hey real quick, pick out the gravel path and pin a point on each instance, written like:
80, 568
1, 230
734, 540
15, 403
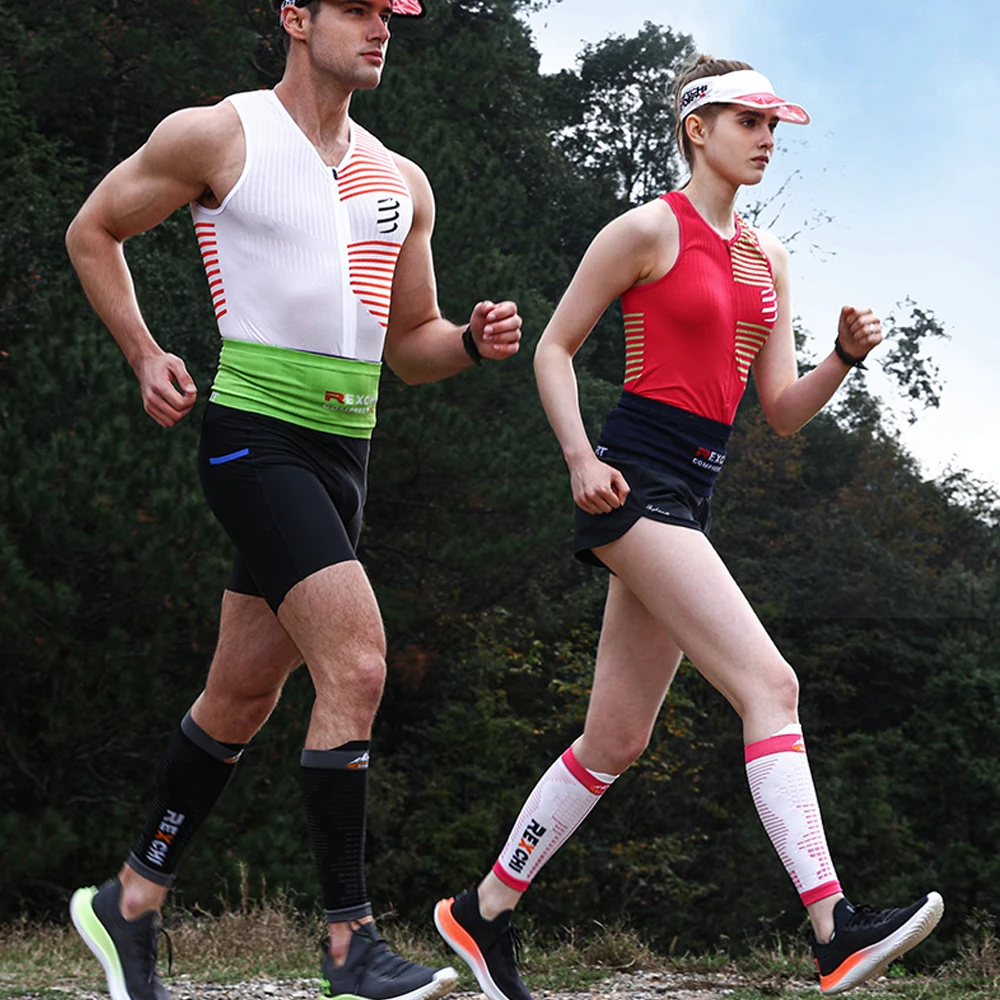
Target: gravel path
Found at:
621, 986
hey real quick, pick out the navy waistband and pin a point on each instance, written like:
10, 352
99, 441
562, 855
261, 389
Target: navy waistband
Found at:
668, 438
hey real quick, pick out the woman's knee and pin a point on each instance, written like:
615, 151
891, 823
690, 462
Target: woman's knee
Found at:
774, 695
785, 687
612, 756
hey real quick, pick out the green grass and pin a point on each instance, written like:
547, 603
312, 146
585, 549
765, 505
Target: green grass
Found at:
273, 940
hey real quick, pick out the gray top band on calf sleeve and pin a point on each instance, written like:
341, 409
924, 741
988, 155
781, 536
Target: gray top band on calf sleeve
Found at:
348, 913
159, 878
203, 741
335, 760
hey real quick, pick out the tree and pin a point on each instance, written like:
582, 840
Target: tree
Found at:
111, 566
619, 114
100, 73
915, 374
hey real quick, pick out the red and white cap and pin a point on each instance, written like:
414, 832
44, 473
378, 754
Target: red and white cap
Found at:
742, 86
400, 8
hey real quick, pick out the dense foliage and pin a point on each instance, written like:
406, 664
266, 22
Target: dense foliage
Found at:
881, 588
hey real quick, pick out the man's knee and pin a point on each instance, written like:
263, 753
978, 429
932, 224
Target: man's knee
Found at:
233, 713
357, 678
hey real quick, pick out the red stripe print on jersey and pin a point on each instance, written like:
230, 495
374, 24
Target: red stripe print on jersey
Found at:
749, 340
634, 345
370, 170
371, 265
750, 266
209, 246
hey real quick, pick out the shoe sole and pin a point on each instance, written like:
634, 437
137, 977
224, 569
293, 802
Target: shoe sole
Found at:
441, 985
463, 944
98, 940
874, 959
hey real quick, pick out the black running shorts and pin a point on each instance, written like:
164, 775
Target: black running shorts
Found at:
290, 498
654, 494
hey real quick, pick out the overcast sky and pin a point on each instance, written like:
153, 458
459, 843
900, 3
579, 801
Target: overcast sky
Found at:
903, 152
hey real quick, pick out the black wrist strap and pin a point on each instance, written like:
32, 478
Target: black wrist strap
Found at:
849, 359
470, 346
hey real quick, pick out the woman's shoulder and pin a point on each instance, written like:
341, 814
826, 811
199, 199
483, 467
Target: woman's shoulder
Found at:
652, 224
772, 247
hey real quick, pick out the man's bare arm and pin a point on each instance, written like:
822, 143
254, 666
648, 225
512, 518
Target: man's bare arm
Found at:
422, 346
190, 155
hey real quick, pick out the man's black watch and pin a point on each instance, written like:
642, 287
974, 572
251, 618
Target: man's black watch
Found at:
470, 345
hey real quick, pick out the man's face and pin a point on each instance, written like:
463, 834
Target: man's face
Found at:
348, 39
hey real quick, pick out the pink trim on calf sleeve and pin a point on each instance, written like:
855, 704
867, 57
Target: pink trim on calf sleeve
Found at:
820, 892
517, 884
585, 777
774, 744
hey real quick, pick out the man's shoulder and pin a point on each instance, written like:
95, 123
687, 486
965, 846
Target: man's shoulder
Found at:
203, 123
416, 179
195, 141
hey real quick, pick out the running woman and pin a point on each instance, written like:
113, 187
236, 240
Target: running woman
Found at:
316, 244
705, 299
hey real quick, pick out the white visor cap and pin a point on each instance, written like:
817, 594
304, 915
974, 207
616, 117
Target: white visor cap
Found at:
742, 86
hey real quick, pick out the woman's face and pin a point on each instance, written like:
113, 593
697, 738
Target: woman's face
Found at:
738, 144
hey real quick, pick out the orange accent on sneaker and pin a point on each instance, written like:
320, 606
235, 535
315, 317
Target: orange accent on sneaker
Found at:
833, 978
457, 935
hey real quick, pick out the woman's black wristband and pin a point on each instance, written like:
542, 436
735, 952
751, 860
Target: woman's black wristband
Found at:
470, 346
849, 359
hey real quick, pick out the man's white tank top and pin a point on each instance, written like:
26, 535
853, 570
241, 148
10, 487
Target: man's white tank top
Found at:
300, 259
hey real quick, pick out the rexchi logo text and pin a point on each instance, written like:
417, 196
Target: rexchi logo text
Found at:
349, 402
705, 458
533, 833
165, 833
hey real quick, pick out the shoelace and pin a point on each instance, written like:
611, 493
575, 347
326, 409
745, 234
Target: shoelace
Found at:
868, 916
170, 950
151, 952
511, 943
154, 953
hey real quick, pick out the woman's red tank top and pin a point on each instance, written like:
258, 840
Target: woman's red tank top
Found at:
692, 335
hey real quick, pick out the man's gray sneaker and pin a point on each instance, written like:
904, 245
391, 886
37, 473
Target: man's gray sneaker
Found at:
125, 948
374, 972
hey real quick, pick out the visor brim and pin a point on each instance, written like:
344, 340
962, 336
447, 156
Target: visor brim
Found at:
785, 110
408, 8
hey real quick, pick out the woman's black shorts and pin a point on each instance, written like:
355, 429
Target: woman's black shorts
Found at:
290, 498
655, 494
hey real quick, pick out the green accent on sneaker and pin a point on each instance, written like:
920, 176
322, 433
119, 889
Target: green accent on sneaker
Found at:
323, 393
97, 939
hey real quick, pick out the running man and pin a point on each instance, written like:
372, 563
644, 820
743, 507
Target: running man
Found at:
705, 298
316, 244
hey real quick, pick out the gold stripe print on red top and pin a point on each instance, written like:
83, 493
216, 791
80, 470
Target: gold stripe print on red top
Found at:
750, 267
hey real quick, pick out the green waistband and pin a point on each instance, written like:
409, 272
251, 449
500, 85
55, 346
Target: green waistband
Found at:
337, 395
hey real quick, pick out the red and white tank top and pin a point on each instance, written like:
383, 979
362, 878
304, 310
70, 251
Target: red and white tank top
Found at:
301, 255
691, 336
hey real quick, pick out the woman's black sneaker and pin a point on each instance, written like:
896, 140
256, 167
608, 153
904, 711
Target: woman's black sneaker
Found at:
866, 940
489, 947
